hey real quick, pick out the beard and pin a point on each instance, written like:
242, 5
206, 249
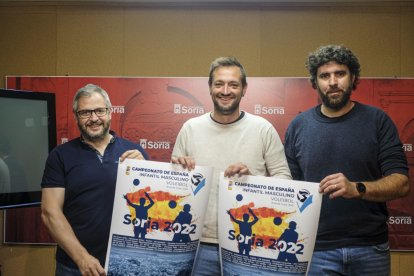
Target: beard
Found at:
93, 137
226, 110
337, 102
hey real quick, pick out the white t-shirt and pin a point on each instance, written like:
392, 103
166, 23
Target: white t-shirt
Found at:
251, 140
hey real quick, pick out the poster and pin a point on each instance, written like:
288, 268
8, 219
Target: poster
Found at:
157, 218
267, 226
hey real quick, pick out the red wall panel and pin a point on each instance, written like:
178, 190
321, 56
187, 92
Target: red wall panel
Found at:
151, 111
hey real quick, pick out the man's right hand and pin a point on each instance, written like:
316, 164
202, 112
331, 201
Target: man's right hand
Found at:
90, 266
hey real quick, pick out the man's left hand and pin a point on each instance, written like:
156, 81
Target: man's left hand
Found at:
238, 168
132, 154
338, 185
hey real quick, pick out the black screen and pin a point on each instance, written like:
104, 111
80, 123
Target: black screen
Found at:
27, 134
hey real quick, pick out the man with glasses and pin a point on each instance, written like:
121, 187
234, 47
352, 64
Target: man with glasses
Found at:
78, 185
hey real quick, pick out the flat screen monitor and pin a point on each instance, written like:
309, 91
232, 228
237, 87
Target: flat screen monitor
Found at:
27, 135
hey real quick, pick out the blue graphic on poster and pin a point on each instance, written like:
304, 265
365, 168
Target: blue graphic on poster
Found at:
267, 226
157, 218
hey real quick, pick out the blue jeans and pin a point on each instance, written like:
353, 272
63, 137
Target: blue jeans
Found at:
63, 270
366, 260
207, 260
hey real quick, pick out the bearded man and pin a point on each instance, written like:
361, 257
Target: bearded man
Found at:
78, 185
353, 150
231, 141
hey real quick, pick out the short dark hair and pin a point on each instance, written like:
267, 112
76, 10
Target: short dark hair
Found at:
226, 62
337, 53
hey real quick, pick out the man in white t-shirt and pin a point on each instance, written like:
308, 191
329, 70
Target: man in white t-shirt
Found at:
231, 141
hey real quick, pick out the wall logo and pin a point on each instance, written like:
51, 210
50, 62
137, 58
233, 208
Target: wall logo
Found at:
305, 199
118, 109
408, 147
268, 110
148, 144
185, 109
198, 182
407, 220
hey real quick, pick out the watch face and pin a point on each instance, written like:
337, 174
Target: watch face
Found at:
361, 187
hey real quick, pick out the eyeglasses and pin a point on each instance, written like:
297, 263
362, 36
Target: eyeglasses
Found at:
87, 113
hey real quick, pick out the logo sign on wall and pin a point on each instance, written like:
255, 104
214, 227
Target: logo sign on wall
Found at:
151, 111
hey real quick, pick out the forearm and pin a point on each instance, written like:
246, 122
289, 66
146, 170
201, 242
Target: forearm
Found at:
63, 234
275, 158
387, 188
277, 166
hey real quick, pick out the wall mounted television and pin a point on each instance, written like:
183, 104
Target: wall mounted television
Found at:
27, 135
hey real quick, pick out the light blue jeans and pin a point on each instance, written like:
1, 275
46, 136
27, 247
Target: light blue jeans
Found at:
63, 270
207, 261
366, 260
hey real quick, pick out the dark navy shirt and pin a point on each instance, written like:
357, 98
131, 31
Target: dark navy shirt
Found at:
363, 145
89, 181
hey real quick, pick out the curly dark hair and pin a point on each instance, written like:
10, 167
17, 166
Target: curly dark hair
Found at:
337, 53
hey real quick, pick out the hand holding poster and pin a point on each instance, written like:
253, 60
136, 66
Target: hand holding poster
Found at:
157, 218
267, 226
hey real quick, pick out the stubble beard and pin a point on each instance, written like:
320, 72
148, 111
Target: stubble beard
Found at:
226, 110
94, 137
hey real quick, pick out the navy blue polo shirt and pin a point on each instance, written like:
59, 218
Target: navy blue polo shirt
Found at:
89, 181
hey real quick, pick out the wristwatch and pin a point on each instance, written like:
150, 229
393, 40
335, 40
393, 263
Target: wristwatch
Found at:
361, 188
